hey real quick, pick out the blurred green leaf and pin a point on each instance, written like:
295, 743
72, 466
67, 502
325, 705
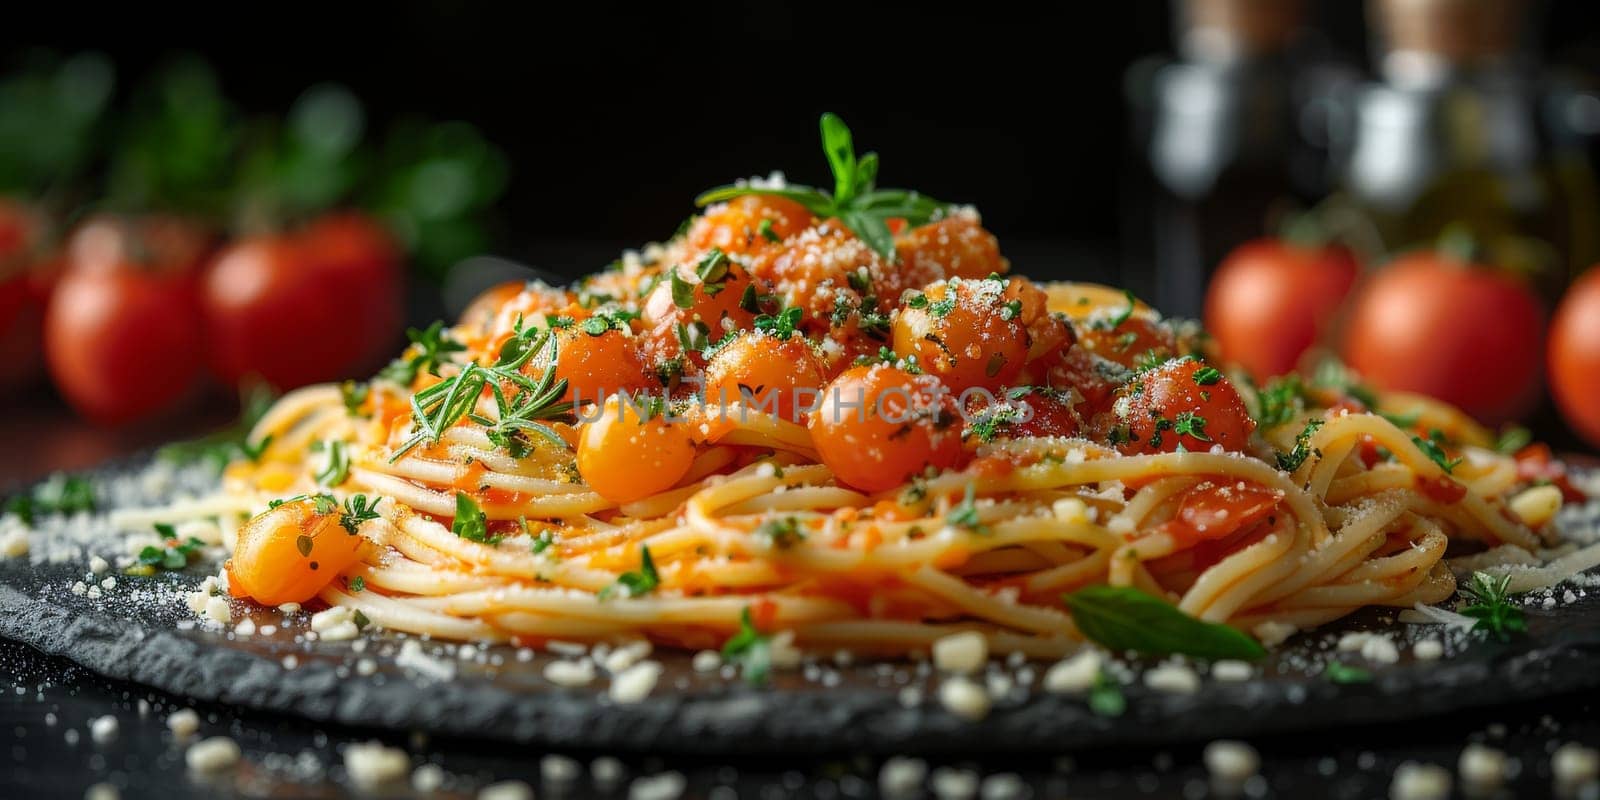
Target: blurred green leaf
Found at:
178, 146
51, 112
436, 184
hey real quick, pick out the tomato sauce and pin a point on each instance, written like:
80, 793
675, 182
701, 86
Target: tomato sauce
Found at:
1442, 489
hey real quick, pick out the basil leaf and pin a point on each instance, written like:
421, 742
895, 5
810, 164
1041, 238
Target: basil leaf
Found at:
872, 229
841, 151
1123, 618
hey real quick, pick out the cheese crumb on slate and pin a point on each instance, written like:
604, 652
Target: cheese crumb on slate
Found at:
102, 791
706, 661
14, 544
964, 698
1413, 781
427, 778
606, 771
1232, 671
1076, 673
506, 790
371, 765
963, 653
949, 783
1483, 768
570, 674
1003, 786
1380, 650
218, 610
666, 786
212, 755
1231, 761
1172, 679
1574, 765
183, 723
1428, 650
635, 683
1272, 634
103, 729
902, 777
558, 769
98, 565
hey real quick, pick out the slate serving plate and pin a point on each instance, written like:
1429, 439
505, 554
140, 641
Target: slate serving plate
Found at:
139, 630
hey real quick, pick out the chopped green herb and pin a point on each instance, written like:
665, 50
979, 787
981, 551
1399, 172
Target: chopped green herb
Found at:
358, 509
358, 584
354, 395
337, 470
1189, 423
58, 494
682, 293
1291, 461
783, 324
636, 584
1281, 400
430, 348
1430, 448
225, 445
965, 514
1512, 439
781, 533
1206, 376
750, 649
1105, 696
766, 231
1340, 672
470, 522
1492, 607
172, 554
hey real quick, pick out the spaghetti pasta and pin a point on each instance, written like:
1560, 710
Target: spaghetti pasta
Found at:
858, 428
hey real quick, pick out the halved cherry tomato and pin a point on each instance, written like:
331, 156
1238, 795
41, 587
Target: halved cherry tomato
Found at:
290, 553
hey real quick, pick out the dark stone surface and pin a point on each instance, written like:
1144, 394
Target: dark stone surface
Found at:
135, 633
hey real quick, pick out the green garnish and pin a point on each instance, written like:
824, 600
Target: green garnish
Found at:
58, 494
358, 509
358, 584
337, 470
1331, 373
470, 522
1122, 618
173, 554
1188, 423
965, 514
750, 649
1340, 672
1492, 607
440, 406
783, 324
1105, 696
636, 584
430, 348
1430, 448
1291, 461
1281, 400
354, 395
781, 533
1011, 310
766, 231
856, 201
1512, 439
1206, 376
1122, 316
232, 442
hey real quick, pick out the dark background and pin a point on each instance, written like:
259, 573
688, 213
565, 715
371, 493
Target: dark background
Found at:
613, 117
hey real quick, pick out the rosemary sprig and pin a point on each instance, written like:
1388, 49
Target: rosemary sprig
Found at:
855, 201
1492, 607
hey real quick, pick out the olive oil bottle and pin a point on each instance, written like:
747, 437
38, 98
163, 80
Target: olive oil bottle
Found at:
1454, 136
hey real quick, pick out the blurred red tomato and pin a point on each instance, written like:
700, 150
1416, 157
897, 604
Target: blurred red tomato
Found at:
167, 244
1271, 299
123, 343
26, 275
304, 307
1464, 333
1574, 357
357, 255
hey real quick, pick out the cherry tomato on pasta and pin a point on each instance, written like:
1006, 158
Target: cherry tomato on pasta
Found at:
953, 247
765, 372
1130, 341
748, 223
963, 331
1463, 333
291, 553
879, 425
596, 358
626, 455
714, 292
1182, 402
1272, 299
1574, 357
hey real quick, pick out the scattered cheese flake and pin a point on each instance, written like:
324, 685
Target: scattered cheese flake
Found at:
954, 784
372, 765
103, 729
218, 610
1413, 781
98, 565
1428, 650
635, 683
964, 652
558, 769
570, 674
1172, 678
14, 544
1380, 650
964, 698
212, 755
1074, 674
1232, 671
102, 791
1231, 761
183, 723
1003, 786
1574, 765
506, 790
706, 661
665, 786
325, 620
1483, 768
246, 627
1272, 634
427, 778
902, 777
